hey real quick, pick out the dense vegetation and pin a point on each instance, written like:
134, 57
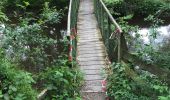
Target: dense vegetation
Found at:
128, 80
139, 7
15, 84
34, 51
33, 54
126, 84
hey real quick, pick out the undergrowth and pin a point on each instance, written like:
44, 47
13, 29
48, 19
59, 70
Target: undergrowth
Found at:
124, 84
15, 84
62, 82
139, 7
34, 51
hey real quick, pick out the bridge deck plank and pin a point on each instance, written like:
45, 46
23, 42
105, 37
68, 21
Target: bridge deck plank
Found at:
91, 53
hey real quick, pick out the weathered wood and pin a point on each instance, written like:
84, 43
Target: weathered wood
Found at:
93, 77
91, 49
92, 67
82, 63
90, 88
90, 43
81, 58
69, 19
92, 72
93, 96
93, 83
42, 94
91, 53
91, 46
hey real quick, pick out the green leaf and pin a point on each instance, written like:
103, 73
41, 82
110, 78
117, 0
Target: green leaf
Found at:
163, 98
13, 88
26, 3
1, 95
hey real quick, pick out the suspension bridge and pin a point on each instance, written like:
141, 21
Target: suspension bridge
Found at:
95, 40
91, 39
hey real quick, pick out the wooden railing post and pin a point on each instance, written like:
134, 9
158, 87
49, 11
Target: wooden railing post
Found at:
119, 48
109, 32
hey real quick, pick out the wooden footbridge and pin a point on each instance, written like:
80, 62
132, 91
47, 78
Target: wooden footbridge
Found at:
95, 38
93, 33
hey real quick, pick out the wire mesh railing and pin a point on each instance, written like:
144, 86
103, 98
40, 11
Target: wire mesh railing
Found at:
110, 30
72, 28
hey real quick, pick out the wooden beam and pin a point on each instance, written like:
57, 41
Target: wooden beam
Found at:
69, 19
42, 94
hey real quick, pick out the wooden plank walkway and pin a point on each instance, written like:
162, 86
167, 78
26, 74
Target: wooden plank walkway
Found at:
91, 53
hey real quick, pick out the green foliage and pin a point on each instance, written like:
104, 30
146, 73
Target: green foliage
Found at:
28, 44
164, 98
62, 82
17, 4
155, 23
3, 17
50, 15
32, 44
31, 8
162, 56
123, 86
148, 53
138, 7
15, 84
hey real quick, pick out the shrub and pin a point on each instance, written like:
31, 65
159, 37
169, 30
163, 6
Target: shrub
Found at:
15, 84
62, 82
139, 7
33, 43
123, 85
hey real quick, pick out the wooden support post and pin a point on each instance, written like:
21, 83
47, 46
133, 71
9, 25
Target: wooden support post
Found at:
42, 94
108, 35
119, 48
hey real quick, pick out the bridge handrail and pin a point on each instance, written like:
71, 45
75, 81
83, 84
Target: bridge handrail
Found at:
69, 18
72, 28
111, 17
106, 23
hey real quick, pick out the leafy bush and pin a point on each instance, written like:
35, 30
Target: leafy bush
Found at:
3, 16
20, 4
14, 83
138, 7
62, 82
33, 43
123, 85
161, 57
27, 44
50, 15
